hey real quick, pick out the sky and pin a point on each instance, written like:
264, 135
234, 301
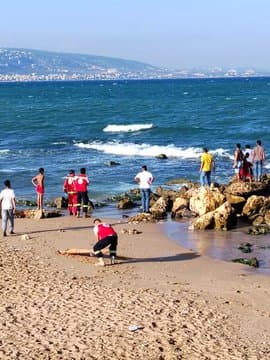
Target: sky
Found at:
177, 34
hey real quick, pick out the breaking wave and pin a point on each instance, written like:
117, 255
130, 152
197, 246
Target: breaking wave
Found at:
127, 128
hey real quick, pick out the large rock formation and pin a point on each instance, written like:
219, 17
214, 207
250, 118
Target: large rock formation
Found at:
205, 200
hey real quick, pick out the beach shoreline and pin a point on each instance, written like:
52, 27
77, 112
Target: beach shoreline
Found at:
186, 306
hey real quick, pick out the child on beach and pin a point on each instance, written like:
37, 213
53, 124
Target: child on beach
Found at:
38, 182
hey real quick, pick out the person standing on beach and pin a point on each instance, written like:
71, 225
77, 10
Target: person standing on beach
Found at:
106, 236
39, 182
145, 180
258, 158
81, 184
8, 207
69, 188
237, 161
207, 165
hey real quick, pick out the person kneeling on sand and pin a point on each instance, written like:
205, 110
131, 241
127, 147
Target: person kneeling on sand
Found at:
106, 236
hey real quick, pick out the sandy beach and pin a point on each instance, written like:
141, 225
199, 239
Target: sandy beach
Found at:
185, 306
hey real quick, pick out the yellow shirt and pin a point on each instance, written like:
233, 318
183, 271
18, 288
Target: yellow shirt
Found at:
206, 161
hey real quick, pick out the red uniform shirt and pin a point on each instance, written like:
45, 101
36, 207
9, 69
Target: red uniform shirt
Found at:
82, 182
104, 230
70, 184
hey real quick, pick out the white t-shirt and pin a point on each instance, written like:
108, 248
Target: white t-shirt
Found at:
145, 179
6, 196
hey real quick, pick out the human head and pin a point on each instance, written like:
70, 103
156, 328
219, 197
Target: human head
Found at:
7, 183
247, 155
247, 146
41, 170
238, 146
97, 221
258, 142
71, 172
144, 167
205, 150
83, 170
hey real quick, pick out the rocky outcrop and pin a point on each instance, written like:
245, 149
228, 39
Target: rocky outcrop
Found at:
205, 200
223, 218
160, 208
255, 206
37, 214
162, 156
125, 203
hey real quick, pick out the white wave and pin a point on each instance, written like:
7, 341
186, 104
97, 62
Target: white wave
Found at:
127, 128
267, 166
59, 143
147, 150
4, 151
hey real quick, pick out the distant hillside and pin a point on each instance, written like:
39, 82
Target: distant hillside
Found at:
37, 62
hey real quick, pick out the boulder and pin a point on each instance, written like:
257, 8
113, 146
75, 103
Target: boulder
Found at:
258, 230
179, 204
159, 209
259, 220
125, 203
183, 213
162, 156
39, 214
204, 222
205, 200
225, 217
247, 189
143, 217
237, 202
61, 203
267, 218
251, 262
256, 205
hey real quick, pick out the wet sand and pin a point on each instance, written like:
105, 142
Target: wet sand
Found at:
63, 307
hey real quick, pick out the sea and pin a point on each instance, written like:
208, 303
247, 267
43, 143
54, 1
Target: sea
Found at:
69, 125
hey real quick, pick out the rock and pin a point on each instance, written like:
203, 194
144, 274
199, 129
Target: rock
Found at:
251, 262
180, 204
267, 218
224, 217
205, 200
61, 203
204, 222
25, 202
256, 205
159, 209
39, 214
130, 231
162, 156
125, 203
258, 230
246, 189
237, 202
143, 217
246, 248
183, 213
112, 163
25, 237
259, 220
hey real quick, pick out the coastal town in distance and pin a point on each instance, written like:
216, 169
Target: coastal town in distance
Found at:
35, 65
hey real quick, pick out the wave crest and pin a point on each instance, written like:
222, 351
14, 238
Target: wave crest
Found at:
127, 128
147, 150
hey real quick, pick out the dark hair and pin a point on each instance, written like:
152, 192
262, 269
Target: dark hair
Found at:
71, 171
247, 146
97, 219
238, 146
41, 170
259, 142
83, 170
205, 149
7, 183
144, 167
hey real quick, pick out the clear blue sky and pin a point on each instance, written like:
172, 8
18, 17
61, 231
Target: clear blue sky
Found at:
172, 33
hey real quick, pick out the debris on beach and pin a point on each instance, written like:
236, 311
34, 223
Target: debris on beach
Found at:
130, 231
251, 262
246, 248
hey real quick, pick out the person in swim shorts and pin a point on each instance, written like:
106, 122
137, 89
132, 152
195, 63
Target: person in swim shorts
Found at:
38, 182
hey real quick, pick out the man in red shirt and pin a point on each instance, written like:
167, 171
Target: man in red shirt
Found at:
82, 193
106, 236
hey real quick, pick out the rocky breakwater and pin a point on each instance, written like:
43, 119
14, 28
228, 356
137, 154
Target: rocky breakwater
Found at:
219, 207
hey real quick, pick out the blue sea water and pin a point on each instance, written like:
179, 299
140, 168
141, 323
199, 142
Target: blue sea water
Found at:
68, 125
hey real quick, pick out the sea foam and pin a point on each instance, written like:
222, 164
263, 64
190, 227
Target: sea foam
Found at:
147, 150
127, 128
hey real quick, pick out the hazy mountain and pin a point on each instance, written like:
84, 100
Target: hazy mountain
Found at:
26, 61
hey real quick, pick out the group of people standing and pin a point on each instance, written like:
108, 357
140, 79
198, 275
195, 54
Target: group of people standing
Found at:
247, 164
